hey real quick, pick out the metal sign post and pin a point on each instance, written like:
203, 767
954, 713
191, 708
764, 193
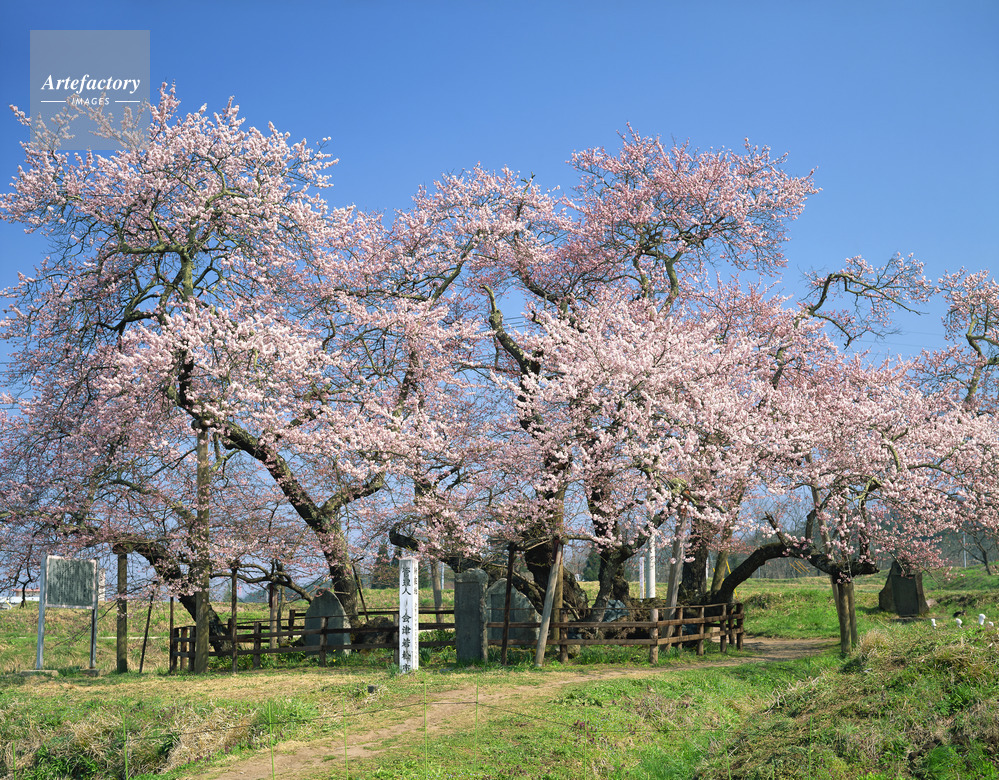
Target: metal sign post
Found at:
69, 584
41, 621
93, 622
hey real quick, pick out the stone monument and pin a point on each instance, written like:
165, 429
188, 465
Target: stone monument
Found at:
521, 611
327, 605
903, 593
470, 615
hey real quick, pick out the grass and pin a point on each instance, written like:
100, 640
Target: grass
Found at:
911, 702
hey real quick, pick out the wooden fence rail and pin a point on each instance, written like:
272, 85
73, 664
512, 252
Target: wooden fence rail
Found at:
256, 639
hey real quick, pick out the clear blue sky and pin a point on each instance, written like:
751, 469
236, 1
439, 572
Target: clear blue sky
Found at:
896, 104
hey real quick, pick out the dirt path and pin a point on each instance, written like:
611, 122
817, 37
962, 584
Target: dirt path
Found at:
454, 709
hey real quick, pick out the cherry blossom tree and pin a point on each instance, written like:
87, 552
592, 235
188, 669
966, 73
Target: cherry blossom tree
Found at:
966, 374
188, 276
205, 313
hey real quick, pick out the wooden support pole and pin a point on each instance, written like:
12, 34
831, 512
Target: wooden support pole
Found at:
702, 631
145, 634
121, 625
546, 614
273, 609
202, 564
234, 601
506, 604
559, 582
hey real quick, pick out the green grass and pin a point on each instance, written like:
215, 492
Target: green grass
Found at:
911, 703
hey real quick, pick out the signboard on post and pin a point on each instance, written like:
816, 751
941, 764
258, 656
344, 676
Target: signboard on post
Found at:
409, 615
68, 583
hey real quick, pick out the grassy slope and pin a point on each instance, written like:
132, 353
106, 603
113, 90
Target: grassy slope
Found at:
910, 703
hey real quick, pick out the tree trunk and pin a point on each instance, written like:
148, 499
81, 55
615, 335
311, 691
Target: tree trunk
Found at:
984, 555
721, 562
725, 594
613, 583
693, 581
539, 560
852, 614
435, 580
842, 613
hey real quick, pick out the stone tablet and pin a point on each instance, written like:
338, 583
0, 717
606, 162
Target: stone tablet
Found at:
470, 616
903, 594
521, 611
325, 604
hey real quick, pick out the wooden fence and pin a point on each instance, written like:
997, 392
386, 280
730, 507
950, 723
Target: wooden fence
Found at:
257, 639
687, 625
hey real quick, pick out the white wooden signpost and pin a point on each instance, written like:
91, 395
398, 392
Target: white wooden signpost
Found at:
68, 583
650, 590
409, 614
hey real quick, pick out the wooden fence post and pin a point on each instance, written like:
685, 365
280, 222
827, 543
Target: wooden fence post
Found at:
173, 649
323, 624
723, 629
185, 661
563, 640
700, 642
654, 636
256, 645
678, 628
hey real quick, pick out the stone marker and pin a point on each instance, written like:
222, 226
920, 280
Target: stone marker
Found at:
615, 610
521, 611
470, 615
903, 593
325, 604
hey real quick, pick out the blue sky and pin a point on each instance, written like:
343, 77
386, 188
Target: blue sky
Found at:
896, 104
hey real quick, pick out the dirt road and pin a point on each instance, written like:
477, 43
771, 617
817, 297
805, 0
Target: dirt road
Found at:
454, 709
